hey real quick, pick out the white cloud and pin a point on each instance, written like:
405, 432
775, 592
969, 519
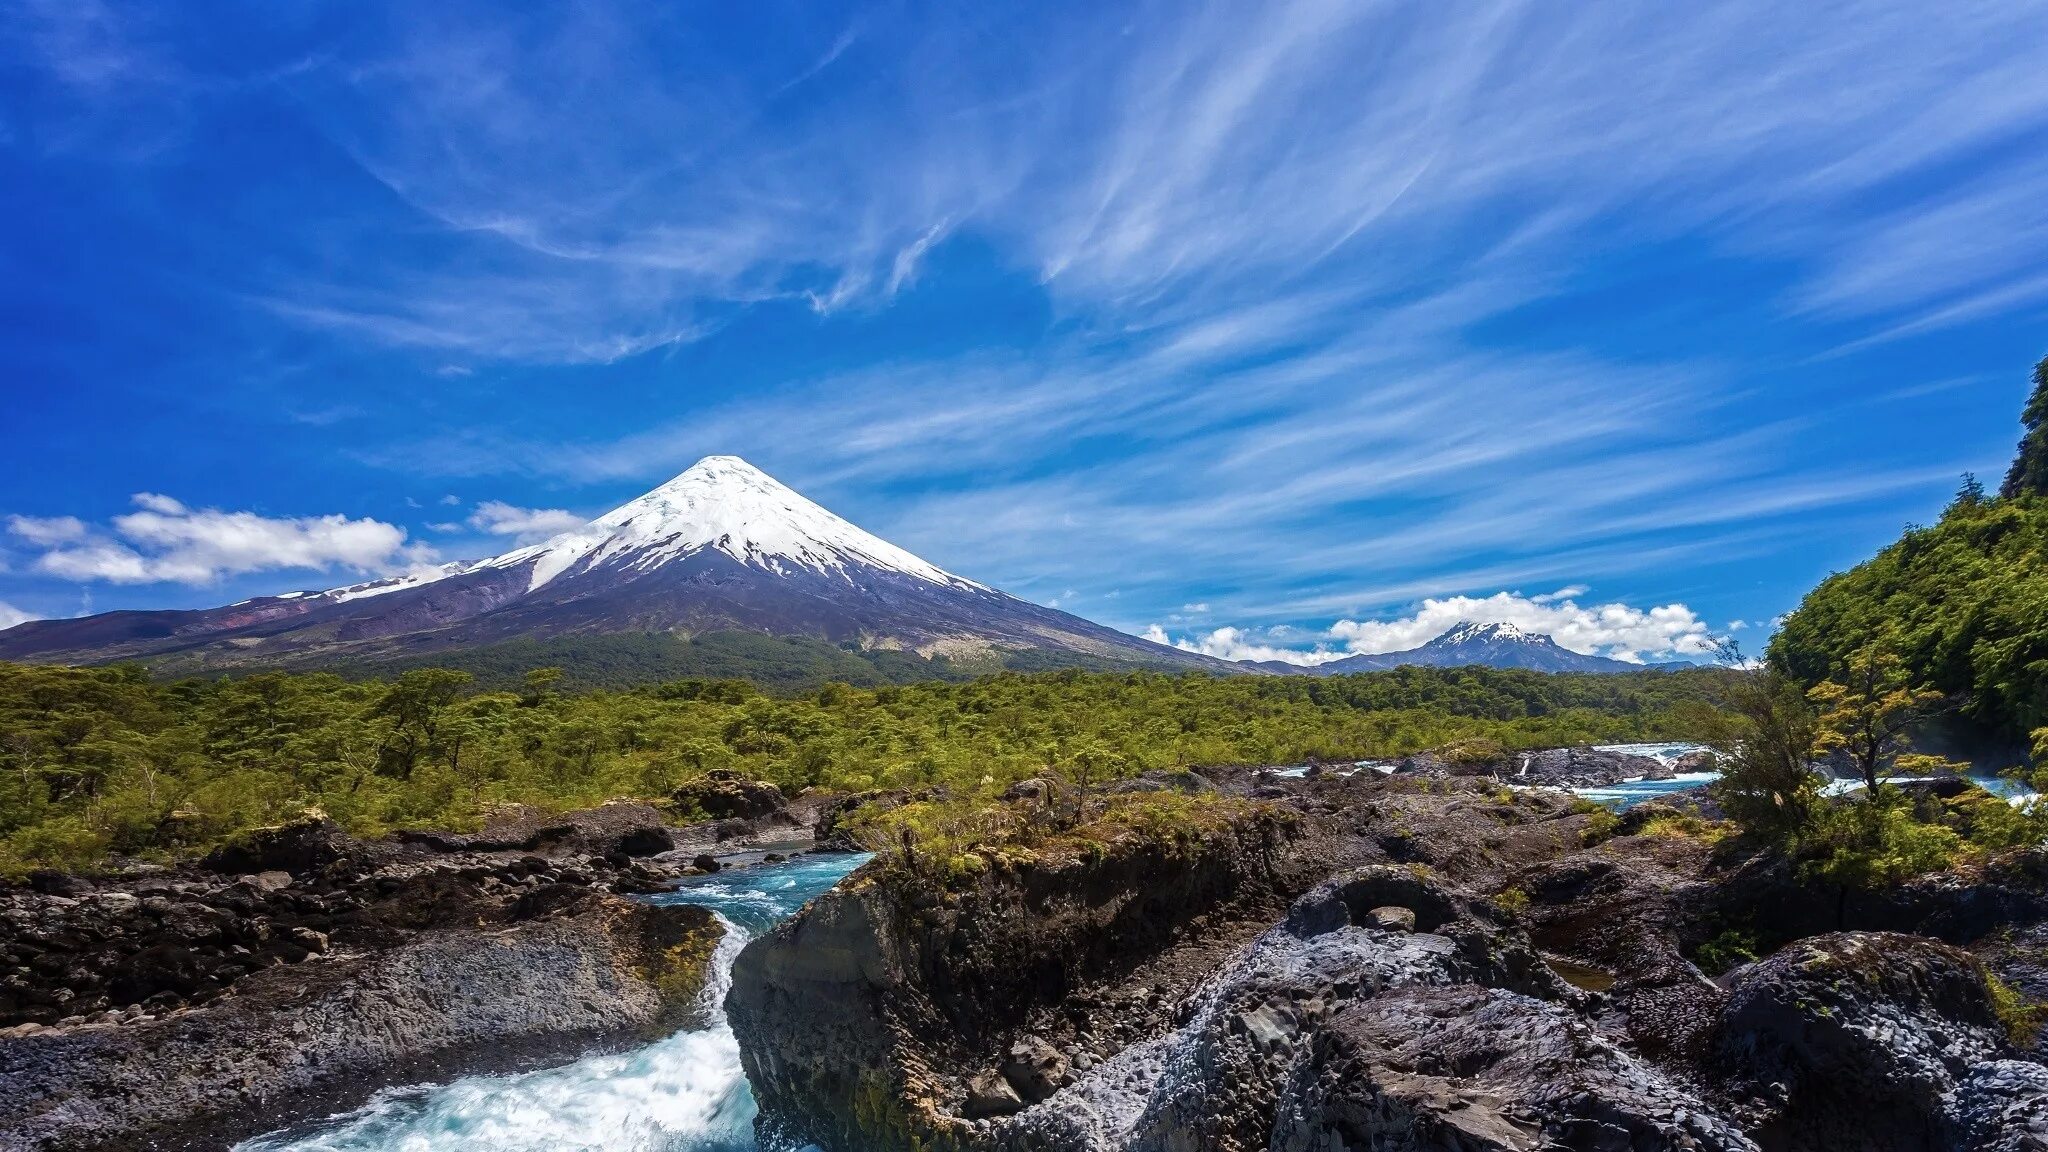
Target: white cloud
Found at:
1228, 643
168, 542
46, 532
527, 524
1616, 630
151, 502
10, 615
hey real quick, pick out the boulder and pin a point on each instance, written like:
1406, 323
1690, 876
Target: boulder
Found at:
2001, 1106
1223, 1073
990, 1094
1701, 760
301, 848
1860, 1040
1034, 1068
52, 883
618, 828
1391, 918
1187, 783
833, 829
1588, 768
302, 1040
1035, 788
1419, 1069
726, 795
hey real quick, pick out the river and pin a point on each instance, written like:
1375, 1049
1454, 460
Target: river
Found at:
682, 1094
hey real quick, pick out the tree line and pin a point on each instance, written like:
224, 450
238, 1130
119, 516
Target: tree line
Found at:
100, 762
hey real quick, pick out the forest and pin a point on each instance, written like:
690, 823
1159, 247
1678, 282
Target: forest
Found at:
1960, 607
109, 762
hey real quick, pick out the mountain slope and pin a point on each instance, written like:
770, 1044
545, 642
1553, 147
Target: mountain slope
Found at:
1493, 645
722, 547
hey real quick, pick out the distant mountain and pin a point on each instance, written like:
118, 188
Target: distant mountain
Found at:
722, 547
1493, 645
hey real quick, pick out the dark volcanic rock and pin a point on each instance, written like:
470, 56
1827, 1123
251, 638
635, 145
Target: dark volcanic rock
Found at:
726, 795
620, 827
874, 1018
1860, 1040
1187, 783
1469, 1068
303, 1041
1588, 768
300, 848
1136, 1001
834, 829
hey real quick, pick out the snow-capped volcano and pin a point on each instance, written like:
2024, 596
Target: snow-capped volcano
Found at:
727, 504
1489, 633
1496, 644
723, 546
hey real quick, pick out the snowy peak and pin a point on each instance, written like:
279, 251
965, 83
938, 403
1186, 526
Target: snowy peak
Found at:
725, 504
722, 548
1489, 633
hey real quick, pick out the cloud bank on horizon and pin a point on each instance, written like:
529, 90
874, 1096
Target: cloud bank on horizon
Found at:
1338, 319
1615, 630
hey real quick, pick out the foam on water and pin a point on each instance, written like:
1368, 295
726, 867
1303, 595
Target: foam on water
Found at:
682, 1094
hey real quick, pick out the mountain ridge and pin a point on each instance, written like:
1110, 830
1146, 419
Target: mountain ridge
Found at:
722, 546
1494, 644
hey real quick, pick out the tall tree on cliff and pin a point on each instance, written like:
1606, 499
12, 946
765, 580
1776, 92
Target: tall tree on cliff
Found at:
2029, 475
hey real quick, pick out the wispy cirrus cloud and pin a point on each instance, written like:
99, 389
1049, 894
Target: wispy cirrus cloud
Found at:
609, 176
1300, 265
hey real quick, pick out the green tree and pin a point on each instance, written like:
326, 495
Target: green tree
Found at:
2029, 474
540, 684
1766, 784
1868, 714
415, 705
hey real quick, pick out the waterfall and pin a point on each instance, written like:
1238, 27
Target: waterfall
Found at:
685, 1093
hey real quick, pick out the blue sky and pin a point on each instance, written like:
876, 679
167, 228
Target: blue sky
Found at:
1278, 325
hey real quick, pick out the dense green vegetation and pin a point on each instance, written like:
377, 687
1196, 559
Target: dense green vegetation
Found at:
1963, 605
106, 760
779, 664
782, 664
1871, 838
1942, 639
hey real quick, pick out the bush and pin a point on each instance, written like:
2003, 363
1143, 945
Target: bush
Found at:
1731, 948
2023, 1017
1876, 842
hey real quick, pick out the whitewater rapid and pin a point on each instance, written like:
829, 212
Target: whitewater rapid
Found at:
682, 1094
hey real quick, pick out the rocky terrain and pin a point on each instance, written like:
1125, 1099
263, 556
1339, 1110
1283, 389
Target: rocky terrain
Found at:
1408, 962
296, 972
1549, 768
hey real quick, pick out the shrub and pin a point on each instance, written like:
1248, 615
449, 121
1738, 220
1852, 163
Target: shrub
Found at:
1730, 948
2022, 1016
1872, 843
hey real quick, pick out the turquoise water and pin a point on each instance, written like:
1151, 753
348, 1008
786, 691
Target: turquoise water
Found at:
682, 1094
1628, 794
